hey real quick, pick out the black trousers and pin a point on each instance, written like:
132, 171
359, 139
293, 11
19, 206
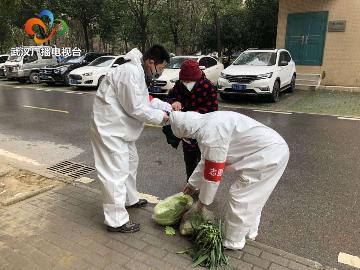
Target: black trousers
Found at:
191, 157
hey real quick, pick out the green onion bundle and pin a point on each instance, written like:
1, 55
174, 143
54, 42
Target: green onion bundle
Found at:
207, 250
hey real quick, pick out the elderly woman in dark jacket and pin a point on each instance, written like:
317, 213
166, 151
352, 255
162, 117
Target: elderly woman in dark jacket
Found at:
192, 92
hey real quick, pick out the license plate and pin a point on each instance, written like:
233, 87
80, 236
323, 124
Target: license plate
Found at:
75, 82
155, 89
238, 87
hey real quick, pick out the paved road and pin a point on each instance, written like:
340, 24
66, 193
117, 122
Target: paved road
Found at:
314, 211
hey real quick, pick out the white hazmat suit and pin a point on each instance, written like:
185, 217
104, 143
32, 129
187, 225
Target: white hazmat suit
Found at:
121, 107
234, 142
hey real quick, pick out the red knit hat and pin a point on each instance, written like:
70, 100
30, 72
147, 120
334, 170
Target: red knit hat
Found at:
190, 71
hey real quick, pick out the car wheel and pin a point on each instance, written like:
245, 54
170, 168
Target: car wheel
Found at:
100, 80
34, 77
224, 97
292, 84
276, 92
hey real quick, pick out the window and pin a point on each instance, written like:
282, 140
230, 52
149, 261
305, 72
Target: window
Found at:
284, 56
211, 62
3, 59
30, 58
203, 62
47, 56
120, 61
175, 62
256, 58
91, 57
104, 61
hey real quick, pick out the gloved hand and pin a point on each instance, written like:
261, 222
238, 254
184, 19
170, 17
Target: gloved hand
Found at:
170, 137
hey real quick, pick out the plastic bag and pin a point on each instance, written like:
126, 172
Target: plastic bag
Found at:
170, 210
187, 227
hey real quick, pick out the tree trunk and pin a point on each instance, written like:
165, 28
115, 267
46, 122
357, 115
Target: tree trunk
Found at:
86, 35
218, 34
126, 45
178, 49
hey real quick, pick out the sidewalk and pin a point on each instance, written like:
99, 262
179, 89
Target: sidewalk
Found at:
317, 102
63, 229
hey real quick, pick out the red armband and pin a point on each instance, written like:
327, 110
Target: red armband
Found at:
213, 170
151, 98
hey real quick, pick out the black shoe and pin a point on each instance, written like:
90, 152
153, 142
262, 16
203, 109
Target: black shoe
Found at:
128, 227
139, 204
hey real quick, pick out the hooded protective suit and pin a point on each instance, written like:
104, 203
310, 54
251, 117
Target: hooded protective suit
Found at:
121, 107
235, 142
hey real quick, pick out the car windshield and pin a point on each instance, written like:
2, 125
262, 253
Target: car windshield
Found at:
256, 59
175, 62
102, 62
74, 59
15, 58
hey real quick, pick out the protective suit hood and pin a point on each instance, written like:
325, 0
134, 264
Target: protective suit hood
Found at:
185, 124
135, 56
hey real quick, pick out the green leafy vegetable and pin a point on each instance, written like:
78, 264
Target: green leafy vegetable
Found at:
170, 210
207, 249
170, 230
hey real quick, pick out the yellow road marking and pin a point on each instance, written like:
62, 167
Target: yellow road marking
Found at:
349, 260
149, 198
85, 180
18, 157
46, 109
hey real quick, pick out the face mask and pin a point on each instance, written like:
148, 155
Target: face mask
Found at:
189, 85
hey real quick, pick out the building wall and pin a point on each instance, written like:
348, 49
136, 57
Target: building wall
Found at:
341, 62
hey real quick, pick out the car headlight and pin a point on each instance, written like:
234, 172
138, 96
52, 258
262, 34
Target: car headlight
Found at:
265, 75
57, 71
88, 74
222, 75
174, 80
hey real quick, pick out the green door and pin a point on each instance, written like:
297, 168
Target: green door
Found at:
305, 37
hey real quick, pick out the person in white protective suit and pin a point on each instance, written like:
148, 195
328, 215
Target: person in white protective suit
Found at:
234, 142
121, 107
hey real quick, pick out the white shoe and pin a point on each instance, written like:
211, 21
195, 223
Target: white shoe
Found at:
228, 244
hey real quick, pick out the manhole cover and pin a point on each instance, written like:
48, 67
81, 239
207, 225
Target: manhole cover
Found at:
71, 169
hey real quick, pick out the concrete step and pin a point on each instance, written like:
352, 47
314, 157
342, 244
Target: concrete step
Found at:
307, 81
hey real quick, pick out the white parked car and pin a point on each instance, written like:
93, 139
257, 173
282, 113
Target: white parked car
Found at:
3, 59
211, 67
259, 72
92, 74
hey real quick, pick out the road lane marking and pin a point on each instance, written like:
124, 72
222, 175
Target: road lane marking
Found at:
349, 260
148, 197
349, 118
279, 112
19, 158
46, 109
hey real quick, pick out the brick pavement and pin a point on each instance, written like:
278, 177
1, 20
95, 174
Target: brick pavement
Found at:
63, 229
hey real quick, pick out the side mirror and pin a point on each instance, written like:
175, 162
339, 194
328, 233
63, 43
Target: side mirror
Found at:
284, 63
202, 67
115, 65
